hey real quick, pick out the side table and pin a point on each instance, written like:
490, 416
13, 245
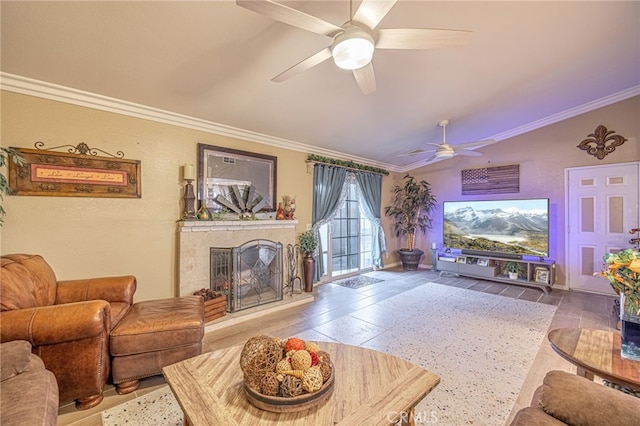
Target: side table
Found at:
597, 353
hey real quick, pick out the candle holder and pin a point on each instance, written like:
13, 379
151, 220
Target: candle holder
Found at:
189, 212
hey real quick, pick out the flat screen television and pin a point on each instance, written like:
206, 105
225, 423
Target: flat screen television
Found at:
513, 228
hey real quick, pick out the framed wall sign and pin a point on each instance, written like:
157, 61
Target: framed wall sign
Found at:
220, 169
69, 174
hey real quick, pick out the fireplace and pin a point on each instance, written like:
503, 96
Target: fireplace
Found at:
249, 275
196, 237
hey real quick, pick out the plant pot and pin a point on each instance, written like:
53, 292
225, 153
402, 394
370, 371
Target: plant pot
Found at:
308, 266
513, 275
629, 332
410, 259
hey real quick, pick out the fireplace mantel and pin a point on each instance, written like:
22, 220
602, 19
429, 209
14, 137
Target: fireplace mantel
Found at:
234, 225
195, 239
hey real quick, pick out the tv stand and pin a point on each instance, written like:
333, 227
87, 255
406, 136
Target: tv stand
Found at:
535, 272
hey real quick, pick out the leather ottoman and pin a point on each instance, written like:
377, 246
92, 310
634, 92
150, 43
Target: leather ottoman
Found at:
154, 334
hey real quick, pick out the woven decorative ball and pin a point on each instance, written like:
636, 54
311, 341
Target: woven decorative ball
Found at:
259, 355
312, 347
300, 360
312, 380
291, 386
269, 385
293, 344
325, 370
323, 357
283, 365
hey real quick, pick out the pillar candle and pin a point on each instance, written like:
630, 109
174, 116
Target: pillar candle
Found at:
189, 172
433, 245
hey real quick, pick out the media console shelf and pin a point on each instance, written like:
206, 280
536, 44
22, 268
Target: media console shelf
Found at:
532, 272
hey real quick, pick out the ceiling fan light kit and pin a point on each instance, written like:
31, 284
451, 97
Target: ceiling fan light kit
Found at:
353, 48
443, 153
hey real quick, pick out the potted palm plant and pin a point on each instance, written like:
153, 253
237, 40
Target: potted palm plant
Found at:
411, 204
308, 245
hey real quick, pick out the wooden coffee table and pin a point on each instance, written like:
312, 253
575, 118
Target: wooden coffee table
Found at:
371, 388
596, 352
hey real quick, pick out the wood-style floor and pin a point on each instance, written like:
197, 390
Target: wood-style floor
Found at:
574, 310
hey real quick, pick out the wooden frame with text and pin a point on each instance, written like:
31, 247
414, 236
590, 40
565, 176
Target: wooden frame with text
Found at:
63, 174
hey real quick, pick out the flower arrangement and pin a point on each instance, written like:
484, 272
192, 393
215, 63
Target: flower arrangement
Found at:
622, 269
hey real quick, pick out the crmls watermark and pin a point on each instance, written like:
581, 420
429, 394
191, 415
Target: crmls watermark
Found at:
418, 417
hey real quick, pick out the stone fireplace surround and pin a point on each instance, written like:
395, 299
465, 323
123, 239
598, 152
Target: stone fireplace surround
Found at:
195, 238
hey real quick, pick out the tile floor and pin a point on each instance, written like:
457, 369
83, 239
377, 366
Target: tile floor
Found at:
332, 302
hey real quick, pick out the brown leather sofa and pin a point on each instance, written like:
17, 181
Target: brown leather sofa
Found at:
67, 322
568, 399
28, 391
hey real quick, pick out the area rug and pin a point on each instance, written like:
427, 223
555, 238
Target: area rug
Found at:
357, 281
157, 408
481, 345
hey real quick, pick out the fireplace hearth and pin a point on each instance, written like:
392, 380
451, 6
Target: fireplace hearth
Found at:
249, 275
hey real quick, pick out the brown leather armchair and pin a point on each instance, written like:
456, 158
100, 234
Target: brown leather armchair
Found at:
67, 322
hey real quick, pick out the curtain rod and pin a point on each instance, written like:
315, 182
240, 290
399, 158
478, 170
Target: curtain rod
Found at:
314, 162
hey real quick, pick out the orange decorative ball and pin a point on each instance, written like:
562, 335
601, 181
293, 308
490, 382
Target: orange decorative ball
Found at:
293, 344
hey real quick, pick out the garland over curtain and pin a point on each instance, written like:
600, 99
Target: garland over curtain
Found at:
330, 190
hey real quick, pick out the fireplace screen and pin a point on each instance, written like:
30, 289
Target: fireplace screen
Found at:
249, 275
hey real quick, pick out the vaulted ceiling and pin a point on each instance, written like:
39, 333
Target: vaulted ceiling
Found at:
529, 64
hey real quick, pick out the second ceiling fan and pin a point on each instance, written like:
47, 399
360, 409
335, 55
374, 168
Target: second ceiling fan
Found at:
355, 41
444, 151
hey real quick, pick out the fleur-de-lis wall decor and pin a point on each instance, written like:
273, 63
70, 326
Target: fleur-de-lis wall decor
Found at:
601, 142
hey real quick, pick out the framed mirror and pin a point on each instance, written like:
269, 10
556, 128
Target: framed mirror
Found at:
219, 168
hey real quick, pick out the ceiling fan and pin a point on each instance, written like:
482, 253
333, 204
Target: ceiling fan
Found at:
444, 151
355, 41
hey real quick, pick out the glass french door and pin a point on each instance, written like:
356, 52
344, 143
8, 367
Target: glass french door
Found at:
347, 240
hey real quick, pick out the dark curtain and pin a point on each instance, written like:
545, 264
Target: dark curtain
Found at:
328, 183
370, 186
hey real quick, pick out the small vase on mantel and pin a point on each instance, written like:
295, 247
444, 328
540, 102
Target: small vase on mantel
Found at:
629, 331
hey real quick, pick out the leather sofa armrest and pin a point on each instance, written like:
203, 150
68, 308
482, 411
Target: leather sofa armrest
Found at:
111, 289
580, 402
15, 357
50, 325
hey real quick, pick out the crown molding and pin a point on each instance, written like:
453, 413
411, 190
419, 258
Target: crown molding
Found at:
43, 89
46, 90
572, 112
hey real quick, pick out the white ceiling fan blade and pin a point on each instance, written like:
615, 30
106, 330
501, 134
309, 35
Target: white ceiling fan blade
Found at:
467, 153
476, 144
371, 12
436, 144
421, 38
290, 16
433, 159
304, 65
366, 78
412, 153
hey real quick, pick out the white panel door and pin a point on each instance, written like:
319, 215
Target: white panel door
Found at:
602, 206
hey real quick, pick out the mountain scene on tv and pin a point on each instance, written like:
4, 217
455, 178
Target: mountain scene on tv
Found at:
519, 227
